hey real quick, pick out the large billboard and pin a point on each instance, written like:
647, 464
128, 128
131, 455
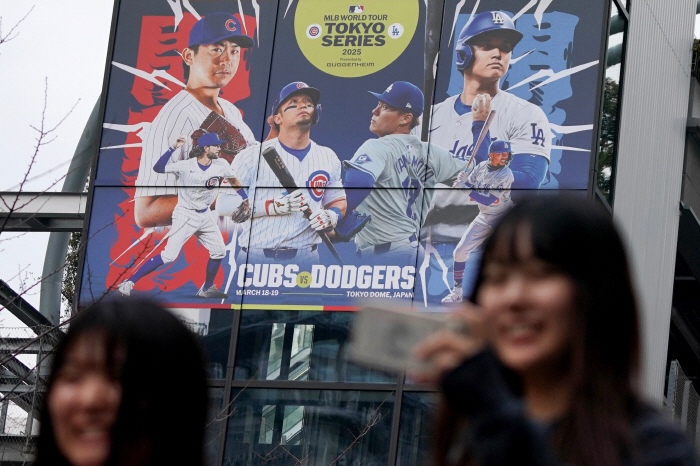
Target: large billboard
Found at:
269, 155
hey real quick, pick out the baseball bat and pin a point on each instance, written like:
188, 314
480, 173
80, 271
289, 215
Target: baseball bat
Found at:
482, 135
281, 171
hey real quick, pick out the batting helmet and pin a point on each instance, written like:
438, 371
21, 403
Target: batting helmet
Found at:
295, 88
488, 22
499, 147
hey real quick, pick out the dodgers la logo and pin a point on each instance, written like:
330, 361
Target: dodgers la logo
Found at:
317, 183
497, 18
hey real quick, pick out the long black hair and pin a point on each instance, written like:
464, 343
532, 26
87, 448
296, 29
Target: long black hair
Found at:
580, 240
160, 366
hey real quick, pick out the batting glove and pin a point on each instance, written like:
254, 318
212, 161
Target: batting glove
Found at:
293, 202
242, 213
323, 219
461, 181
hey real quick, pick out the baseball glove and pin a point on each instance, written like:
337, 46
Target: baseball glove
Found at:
350, 225
215, 123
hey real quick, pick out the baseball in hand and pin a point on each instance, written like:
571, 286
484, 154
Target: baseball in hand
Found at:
180, 141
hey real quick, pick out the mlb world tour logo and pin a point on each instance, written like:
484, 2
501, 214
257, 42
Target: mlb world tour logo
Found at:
356, 40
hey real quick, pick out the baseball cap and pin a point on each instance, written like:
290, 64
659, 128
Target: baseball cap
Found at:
499, 147
218, 26
209, 139
292, 89
404, 96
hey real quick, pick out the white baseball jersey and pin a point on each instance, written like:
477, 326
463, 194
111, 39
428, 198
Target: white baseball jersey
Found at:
494, 183
517, 121
399, 161
198, 185
318, 172
181, 115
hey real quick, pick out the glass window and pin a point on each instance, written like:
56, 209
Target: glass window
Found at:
310, 427
416, 429
298, 345
605, 172
213, 326
212, 435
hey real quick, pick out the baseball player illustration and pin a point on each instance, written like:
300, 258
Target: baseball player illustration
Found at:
280, 231
489, 185
198, 180
483, 53
395, 159
210, 61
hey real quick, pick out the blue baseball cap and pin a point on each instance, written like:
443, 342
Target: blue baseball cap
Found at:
404, 96
219, 26
499, 147
209, 139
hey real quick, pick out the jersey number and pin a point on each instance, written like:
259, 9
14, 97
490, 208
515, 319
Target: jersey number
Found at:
411, 188
537, 135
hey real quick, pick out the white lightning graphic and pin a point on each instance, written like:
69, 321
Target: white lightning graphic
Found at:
141, 129
430, 250
177, 11
539, 12
162, 74
516, 60
143, 236
256, 7
188, 7
288, 6
167, 235
240, 12
231, 248
457, 10
569, 129
525, 9
552, 76
576, 149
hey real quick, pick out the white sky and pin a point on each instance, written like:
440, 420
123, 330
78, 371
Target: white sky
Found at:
66, 42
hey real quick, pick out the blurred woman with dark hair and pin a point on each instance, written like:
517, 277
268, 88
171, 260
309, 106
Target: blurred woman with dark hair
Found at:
128, 387
546, 373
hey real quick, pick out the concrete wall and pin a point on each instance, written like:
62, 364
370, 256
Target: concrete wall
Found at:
650, 163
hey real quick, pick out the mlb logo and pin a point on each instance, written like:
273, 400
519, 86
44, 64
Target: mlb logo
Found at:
356, 8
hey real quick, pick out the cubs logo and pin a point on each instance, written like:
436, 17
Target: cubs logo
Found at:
213, 182
313, 31
231, 25
497, 18
301, 85
317, 183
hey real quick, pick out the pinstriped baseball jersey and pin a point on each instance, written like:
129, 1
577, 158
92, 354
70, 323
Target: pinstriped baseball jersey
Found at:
198, 187
399, 161
495, 183
317, 172
181, 115
517, 121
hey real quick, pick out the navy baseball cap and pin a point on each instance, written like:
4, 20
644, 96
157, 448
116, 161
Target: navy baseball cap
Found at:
219, 26
292, 89
209, 139
499, 147
404, 96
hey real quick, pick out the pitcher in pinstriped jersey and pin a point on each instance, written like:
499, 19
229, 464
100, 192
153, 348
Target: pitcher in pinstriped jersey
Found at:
210, 61
198, 180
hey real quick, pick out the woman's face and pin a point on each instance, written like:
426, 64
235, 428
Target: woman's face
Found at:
529, 310
83, 404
